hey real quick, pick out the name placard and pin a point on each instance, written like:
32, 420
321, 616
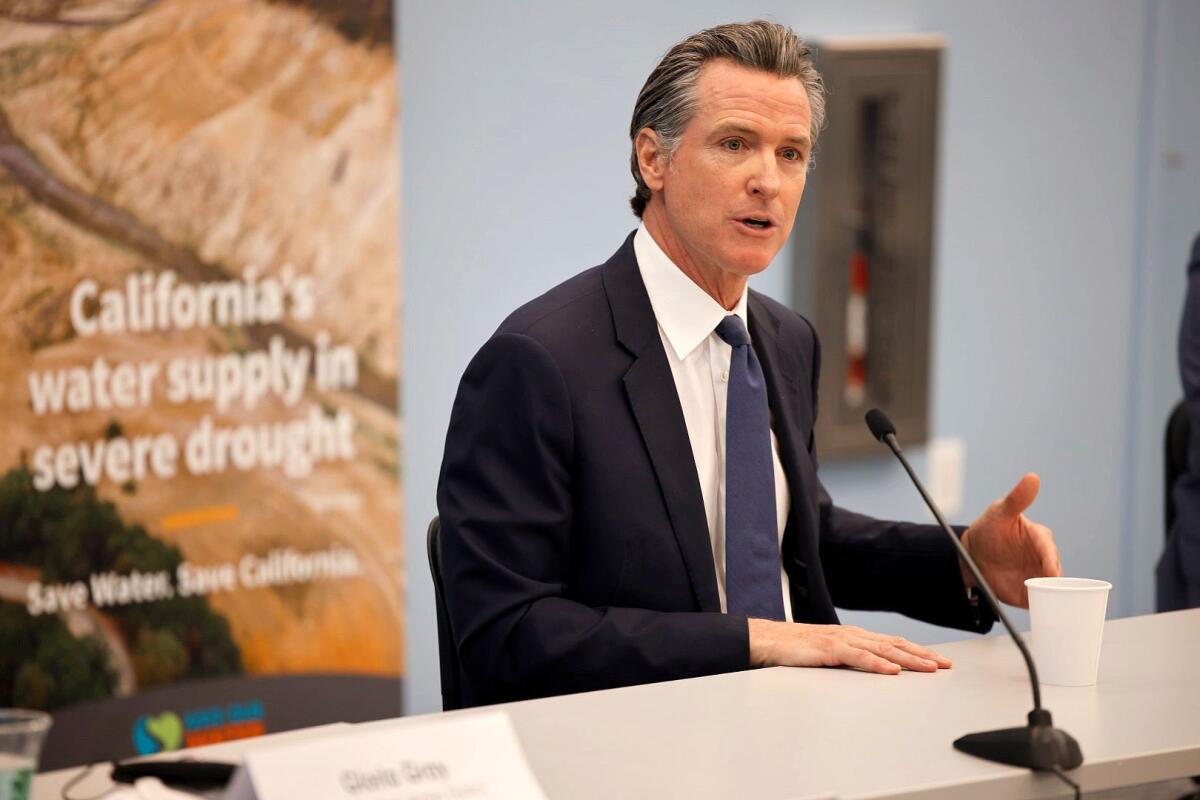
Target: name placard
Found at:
472, 757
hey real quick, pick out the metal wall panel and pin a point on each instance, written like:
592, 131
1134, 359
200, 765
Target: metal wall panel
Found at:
864, 239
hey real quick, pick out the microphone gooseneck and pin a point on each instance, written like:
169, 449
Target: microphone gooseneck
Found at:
1037, 745
885, 432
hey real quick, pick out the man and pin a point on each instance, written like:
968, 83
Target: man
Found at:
629, 491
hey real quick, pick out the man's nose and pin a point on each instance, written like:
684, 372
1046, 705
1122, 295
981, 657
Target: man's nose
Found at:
764, 181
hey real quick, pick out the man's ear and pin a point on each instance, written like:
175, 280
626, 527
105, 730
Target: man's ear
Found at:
652, 160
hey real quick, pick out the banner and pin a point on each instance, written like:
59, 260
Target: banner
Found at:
200, 496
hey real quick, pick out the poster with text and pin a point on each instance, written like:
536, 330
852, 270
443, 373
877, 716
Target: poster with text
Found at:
200, 489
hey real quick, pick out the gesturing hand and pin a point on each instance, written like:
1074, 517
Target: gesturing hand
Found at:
1008, 547
793, 644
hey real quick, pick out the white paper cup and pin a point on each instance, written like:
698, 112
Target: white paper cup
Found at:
1067, 618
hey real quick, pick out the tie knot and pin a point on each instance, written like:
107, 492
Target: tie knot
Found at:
733, 331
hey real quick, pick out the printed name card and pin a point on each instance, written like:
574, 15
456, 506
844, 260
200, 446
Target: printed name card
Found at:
472, 757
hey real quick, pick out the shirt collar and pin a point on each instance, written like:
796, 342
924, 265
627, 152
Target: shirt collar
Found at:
686, 313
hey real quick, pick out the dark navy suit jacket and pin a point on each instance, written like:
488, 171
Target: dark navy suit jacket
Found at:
1179, 568
576, 551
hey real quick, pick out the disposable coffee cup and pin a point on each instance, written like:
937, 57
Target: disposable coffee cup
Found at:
1067, 620
21, 736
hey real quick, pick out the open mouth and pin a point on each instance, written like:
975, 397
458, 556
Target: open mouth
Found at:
757, 223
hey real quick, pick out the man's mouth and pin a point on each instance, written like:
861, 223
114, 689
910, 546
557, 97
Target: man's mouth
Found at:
758, 223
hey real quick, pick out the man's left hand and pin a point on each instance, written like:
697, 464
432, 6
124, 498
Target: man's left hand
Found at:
1008, 547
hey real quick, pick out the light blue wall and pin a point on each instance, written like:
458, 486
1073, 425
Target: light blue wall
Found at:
1060, 241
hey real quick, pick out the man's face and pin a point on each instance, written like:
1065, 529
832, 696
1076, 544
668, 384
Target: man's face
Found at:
730, 191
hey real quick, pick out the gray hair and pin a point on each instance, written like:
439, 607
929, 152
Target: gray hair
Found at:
667, 100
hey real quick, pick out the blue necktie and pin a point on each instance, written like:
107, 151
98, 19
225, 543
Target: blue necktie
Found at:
752, 584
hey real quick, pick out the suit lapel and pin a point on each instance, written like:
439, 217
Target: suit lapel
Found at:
654, 400
784, 396
782, 390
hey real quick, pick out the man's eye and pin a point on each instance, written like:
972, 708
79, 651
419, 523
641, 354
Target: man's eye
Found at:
732, 145
792, 154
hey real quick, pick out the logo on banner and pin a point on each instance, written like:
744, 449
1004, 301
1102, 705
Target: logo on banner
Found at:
155, 733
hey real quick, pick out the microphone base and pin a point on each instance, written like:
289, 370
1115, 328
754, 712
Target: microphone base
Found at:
1038, 745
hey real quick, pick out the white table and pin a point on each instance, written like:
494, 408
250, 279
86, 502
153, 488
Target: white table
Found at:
798, 733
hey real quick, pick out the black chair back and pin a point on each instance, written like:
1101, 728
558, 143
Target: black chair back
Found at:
1179, 431
447, 648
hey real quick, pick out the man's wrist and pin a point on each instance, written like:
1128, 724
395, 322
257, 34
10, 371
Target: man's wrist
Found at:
969, 582
762, 641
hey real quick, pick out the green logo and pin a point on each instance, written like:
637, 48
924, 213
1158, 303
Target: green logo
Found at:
167, 728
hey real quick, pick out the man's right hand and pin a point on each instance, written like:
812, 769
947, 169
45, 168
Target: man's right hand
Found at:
793, 644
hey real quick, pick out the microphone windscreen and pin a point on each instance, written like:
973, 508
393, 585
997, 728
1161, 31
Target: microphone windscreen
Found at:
879, 424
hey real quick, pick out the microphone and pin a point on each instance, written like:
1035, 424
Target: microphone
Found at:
1037, 745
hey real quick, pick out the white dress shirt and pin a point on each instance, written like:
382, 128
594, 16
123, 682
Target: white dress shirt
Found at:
687, 317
